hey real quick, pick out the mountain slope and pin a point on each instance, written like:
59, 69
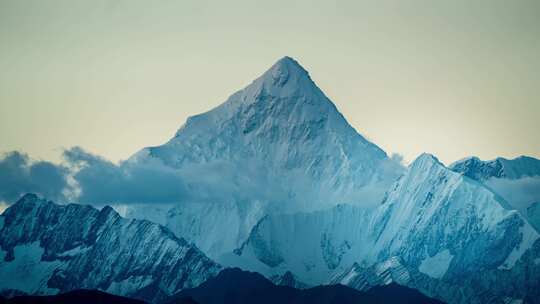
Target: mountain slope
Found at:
312, 245
278, 145
516, 180
443, 228
448, 212
233, 286
48, 248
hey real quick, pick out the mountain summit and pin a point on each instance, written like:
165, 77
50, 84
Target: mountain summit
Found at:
271, 119
277, 145
285, 77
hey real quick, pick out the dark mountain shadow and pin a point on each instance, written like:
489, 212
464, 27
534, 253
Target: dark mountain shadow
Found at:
82, 296
234, 286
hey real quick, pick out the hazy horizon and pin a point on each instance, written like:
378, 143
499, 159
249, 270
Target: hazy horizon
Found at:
452, 79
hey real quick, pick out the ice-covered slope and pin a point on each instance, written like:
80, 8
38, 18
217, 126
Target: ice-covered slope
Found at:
311, 245
279, 145
214, 226
47, 248
447, 214
516, 180
445, 228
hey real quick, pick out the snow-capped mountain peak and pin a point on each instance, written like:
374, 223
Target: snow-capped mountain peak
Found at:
424, 161
286, 78
278, 145
283, 106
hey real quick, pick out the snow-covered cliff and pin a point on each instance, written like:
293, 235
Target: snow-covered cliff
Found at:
442, 227
47, 248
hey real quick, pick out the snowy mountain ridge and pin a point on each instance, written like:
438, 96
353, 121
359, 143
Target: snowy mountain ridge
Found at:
516, 180
47, 248
500, 167
442, 227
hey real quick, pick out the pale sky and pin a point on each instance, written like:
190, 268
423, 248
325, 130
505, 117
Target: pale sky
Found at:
453, 78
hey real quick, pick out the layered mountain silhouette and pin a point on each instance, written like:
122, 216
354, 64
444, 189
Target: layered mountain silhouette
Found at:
72, 297
234, 286
275, 181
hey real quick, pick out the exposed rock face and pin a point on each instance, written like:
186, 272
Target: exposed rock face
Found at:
48, 248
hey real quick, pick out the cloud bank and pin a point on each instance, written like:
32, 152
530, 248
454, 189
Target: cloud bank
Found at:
88, 179
20, 175
99, 181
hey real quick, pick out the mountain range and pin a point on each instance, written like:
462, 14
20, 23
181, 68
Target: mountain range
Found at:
275, 181
48, 248
137, 259
437, 227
